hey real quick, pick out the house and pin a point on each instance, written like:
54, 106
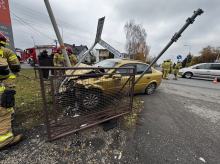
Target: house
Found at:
78, 51
102, 54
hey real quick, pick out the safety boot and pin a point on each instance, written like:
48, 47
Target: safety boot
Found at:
11, 141
16, 139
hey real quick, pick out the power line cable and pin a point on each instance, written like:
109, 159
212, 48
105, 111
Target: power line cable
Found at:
36, 30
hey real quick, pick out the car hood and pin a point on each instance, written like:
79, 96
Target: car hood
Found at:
80, 71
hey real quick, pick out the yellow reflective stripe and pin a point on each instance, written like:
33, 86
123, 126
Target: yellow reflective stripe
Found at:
5, 136
12, 76
13, 57
11, 110
1, 53
2, 88
4, 43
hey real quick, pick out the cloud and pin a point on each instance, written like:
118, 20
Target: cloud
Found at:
160, 18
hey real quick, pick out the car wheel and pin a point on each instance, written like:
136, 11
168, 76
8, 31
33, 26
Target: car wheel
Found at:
150, 89
90, 99
188, 75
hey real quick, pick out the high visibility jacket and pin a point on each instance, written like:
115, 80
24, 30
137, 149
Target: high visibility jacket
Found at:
73, 59
177, 68
167, 65
8, 59
59, 60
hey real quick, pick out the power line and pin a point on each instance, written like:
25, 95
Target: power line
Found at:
26, 23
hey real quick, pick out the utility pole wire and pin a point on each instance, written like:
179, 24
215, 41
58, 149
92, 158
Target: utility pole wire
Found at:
26, 23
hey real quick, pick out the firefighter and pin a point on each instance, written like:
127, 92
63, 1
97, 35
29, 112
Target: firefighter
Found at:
176, 68
58, 59
8, 63
72, 57
167, 68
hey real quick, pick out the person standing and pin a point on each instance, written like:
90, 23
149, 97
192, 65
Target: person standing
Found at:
167, 68
58, 59
176, 68
72, 57
8, 63
44, 60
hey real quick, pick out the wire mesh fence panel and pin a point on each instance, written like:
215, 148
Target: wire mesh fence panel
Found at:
77, 98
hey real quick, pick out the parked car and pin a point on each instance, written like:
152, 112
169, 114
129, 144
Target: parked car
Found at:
204, 70
93, 89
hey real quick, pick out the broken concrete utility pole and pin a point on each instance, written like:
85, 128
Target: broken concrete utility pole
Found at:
53, 21
176, 36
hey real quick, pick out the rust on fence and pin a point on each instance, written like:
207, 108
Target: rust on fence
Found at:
78, 98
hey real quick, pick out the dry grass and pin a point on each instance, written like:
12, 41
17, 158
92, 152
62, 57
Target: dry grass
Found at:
28, 99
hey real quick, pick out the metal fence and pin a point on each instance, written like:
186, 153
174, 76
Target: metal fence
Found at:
78, 98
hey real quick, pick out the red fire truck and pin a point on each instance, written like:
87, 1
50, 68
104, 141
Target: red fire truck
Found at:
32, 54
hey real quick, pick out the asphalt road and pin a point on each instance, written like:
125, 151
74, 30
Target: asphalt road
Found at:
180, 123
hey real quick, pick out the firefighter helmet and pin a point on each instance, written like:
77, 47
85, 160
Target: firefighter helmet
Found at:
3, 39
69, 50
59, 50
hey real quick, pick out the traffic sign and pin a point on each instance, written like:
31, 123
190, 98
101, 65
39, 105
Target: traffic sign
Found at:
179, 57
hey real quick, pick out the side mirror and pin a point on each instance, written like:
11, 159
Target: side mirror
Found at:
116, 76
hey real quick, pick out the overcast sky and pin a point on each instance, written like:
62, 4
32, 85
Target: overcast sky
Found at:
78, 20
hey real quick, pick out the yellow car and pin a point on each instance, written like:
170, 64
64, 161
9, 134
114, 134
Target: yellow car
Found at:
90, 90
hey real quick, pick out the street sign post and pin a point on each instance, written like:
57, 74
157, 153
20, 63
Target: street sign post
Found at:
98, 40
101, 22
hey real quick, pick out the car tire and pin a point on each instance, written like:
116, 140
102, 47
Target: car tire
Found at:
150, 89
90, 100
188, 75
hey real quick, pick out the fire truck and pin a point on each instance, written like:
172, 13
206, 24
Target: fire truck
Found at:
32, 54
20, 54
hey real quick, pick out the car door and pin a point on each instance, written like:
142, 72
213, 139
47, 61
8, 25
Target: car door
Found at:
144, 81
125, 77
215, 70
202, 70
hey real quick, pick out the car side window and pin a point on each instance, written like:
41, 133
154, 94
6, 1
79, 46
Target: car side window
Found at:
203, 66
142, 67
125, 70
215, 66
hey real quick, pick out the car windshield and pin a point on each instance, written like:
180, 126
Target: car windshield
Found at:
106, 63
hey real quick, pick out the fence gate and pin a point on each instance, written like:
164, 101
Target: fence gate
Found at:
78, 98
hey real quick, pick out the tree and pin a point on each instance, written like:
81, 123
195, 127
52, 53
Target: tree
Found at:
208, 54
136, 40
140, 56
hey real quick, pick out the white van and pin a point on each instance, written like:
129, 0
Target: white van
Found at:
204, 70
